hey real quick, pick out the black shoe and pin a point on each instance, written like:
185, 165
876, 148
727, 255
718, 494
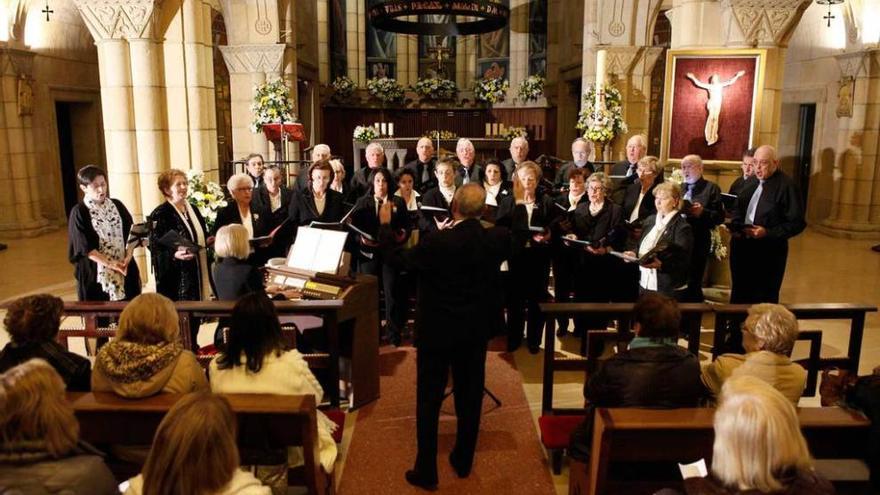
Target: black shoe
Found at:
534, 349
415, 479
513, 345
461, 471
561, 332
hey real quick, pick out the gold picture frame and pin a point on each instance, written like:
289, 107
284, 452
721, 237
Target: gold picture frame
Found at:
693, 97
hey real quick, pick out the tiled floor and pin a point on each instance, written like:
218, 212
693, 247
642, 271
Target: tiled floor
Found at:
820, 269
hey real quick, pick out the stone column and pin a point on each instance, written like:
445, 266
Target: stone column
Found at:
519, 46
249, 65
323, 42
20, 180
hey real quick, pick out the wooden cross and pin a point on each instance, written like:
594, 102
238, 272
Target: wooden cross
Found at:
829, 16
440, 53
47, 11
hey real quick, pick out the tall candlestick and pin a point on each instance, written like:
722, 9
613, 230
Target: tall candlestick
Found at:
600, 75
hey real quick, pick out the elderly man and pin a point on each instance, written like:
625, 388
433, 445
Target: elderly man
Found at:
456, 269
469, 171
319, 152
254, 168
423, 166
580, 153
519, 151
360, 180
625, 170
704, 213
768, 212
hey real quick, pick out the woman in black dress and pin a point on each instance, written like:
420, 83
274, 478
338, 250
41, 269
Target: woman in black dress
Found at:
497, 188
244, 211
597, 222
98, 230
273, 199
317, 203
528, 214
566, 257
366, 219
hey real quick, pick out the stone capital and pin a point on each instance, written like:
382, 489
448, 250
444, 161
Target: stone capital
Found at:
765, 23
247, 59
853, 65
119, 19
18, 63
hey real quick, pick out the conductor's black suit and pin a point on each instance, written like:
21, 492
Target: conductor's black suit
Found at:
455, 269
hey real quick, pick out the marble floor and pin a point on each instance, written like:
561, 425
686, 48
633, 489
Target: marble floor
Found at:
820, 269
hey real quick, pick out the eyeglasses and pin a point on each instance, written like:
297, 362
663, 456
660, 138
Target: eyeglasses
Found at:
595, 189
244, 189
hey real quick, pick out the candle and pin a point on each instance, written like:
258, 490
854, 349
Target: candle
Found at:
391, 129
384, 129
501, 129
600, 75
488, 129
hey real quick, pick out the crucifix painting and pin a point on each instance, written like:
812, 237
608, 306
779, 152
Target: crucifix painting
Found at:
716, 97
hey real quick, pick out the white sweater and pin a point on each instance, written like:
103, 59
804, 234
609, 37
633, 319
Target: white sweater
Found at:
242, 483
287, 374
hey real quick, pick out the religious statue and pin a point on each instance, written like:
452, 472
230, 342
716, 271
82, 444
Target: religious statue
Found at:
25, 96
716, 96
845, 91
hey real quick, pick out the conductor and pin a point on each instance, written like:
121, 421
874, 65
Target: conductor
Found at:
452, 323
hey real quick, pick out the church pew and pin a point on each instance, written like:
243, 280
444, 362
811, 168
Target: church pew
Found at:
265, 421
686, 435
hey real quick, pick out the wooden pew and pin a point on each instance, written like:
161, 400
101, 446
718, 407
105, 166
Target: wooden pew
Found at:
686, 435
265, 421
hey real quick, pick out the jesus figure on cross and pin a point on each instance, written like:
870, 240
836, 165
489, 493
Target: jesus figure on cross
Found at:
716, 96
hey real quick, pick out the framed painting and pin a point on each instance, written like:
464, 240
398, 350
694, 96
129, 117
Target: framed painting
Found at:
712, 104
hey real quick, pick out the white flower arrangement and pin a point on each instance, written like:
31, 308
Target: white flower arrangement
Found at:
207, 196
343, 87
271, 105
491, 90
386, 89
444, 134
531, 88
514, 132
602, 125
435, 89
365, 134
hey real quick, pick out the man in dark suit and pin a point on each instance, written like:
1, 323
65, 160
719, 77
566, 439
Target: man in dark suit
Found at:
580, 154
360, 180
319, 152
748, 172
423, 166
704, 213
769, 211
470, 171
456, 268
519, 152
253, 165
624, 171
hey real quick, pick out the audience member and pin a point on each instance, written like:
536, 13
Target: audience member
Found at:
654, 372
32, 323
255, 362
146, 357
758, 446
39, 448
195, 451
769, 334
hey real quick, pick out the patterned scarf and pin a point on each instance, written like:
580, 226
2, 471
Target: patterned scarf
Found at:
129, 362
108, 225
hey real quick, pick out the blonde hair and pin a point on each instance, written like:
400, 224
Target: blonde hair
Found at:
194, 450
651, 162
601, 179
775, 327
237, 180
669, 187
757, 436
532, 167
149, 318
232, 242
34, 408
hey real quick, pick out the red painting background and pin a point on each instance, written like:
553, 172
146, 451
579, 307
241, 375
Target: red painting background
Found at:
688, 120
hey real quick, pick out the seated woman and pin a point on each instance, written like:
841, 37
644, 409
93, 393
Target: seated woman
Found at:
40, 452
758, 446
32, 323
769, 334
233, 275
654, 372
667, 240
195, 451
146, 357
255, 361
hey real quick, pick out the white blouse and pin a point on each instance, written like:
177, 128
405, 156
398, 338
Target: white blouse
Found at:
648, 276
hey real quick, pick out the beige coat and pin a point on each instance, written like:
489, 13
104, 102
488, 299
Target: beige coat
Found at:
775, 369
183, 375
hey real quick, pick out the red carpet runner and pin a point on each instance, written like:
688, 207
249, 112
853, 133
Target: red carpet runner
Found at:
509, 456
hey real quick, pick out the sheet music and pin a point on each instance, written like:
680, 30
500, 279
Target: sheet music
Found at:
317, 250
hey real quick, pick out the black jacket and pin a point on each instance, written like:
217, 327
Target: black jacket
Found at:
475, 174
631, 196
456, 269
561, 179
262, 202
707, 194
419, 170
234, 278
515, 217
360, 183
303, 210
230, 214
675, 262
795, 482
431, 198
175, 279
666, 376
602, 229
364, 215
779, 208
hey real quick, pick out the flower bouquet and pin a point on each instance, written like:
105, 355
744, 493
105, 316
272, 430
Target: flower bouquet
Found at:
601, 125
491, 90
343, 87
435, 135
385, 89
272, 105
436, 89
531, 88
365, 134
514, 132
207, 196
